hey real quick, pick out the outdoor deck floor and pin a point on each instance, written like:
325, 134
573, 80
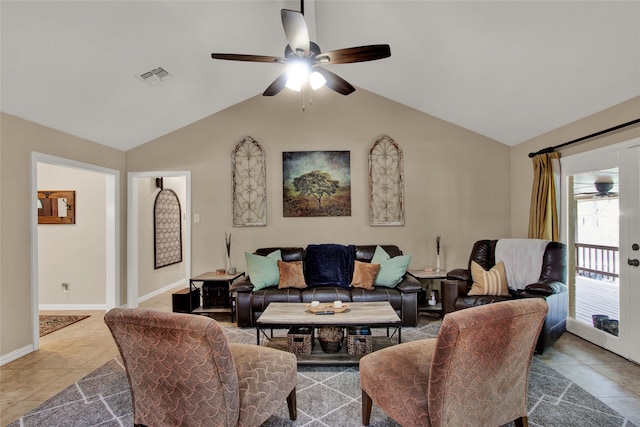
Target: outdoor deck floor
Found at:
596, 297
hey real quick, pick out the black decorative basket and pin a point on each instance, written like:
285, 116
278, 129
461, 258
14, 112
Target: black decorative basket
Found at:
330, 338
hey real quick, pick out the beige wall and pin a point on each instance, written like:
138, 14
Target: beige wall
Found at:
18, 139
151, 280
522, 167
458, 184
456, 181
74, 253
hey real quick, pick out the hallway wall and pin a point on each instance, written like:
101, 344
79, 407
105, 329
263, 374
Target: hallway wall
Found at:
73, 253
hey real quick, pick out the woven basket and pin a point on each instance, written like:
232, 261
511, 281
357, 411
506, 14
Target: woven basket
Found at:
330, 338
300, 340
359, 341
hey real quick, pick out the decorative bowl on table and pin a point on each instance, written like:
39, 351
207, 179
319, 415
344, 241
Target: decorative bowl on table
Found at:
327, 307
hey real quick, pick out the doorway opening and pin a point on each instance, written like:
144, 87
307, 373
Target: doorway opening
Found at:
601, 227
111, 227
596, 234
133, 230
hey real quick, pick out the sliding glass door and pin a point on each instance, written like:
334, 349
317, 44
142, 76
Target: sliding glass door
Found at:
600, 224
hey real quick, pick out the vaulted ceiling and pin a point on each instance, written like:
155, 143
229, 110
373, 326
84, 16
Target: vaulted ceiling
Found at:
510, 70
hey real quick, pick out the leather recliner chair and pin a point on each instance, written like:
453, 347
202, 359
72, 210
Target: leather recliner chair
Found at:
551, 286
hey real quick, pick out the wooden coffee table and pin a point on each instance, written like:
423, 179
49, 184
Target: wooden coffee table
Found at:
372, 314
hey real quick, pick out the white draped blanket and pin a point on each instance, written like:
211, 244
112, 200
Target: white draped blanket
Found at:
522, 260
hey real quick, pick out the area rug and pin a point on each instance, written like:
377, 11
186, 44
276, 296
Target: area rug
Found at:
326, 396
52, 323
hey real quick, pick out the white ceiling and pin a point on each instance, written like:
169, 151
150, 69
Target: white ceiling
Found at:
507, 70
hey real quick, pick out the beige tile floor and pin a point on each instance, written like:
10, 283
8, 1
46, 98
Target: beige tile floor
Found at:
69, 354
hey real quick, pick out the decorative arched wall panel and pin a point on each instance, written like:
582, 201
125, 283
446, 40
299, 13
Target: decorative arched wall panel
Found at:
249, 180
167, 229
386, 183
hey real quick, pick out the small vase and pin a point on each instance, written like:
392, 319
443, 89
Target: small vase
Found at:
438, 263
230, 269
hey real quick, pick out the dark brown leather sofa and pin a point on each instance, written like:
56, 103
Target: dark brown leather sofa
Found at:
551, 286
403, 298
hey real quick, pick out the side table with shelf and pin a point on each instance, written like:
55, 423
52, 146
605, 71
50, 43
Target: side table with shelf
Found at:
213, 288
427, 279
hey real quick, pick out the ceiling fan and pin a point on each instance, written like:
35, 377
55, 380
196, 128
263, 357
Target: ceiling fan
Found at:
603, 191
305, 58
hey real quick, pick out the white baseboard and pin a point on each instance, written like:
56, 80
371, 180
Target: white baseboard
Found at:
162, 290
16, 354
72, 307
104, 306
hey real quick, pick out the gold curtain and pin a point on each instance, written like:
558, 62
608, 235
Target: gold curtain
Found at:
543, 215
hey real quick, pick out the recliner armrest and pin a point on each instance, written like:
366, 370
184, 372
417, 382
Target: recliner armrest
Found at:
545, 288
409, 284
243, 284
459, 274
450, 290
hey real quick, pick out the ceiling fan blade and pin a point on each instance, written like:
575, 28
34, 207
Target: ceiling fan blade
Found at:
356, 54
277, 85
295, 29
249, 58
335, 82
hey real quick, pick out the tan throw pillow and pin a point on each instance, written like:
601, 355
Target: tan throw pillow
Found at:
492, 282
291, 275
364, 274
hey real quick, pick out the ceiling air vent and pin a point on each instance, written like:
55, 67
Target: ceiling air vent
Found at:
155, 76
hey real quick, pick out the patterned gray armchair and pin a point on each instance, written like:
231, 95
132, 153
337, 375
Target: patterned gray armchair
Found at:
183, 372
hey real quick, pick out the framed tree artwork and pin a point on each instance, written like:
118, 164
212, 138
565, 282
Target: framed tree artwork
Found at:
316, 183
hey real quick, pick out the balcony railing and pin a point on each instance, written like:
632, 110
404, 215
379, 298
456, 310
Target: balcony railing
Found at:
597, 261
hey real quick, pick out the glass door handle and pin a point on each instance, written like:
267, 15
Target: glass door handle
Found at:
633, 262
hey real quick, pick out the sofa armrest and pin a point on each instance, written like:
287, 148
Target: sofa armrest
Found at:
450, 291
459, 274
545, 288
243, 288
409, 284
409, 288
242, 284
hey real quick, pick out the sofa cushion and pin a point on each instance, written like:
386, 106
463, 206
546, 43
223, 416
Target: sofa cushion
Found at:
492, 282
329, 265
326, 294
365, 253
364, 274
291, 275
262, 298
263, 270
391, 269
392, 295
287, 253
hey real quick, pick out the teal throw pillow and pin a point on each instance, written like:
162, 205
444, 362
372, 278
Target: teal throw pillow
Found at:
391, 269
263, 271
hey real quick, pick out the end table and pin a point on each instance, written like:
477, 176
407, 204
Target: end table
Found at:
214, 290
426, 278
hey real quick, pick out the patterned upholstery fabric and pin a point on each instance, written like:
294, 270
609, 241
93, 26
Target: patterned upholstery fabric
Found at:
182, 371
265, 377
475, 373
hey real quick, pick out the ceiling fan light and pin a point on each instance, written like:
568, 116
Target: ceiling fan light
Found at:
294, 84
316, 80
298, 74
